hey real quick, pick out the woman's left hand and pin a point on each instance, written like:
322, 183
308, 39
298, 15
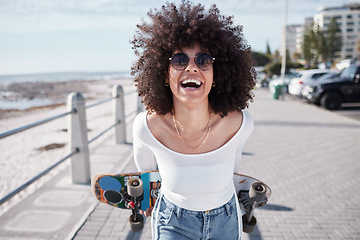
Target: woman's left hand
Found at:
147, 213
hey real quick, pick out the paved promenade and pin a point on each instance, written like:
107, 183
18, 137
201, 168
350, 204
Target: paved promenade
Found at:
307, 155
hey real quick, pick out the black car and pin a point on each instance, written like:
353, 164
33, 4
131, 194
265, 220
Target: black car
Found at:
344, 89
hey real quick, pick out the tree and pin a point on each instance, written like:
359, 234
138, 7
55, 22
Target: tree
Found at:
268, 51
276, 56
314, 45
260, 59
334, 40
322, 45
323, 51
308, 54
296, 56
288, 59
275, 68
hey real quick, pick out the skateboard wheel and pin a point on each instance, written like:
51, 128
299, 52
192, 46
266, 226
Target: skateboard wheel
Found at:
135, 187
248, 227
154, 193
257, 192
113, 197
136, 223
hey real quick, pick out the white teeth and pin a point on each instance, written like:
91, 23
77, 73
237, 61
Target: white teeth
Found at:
197, 82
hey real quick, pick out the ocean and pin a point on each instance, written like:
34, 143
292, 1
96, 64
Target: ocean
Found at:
12, 87
61, 76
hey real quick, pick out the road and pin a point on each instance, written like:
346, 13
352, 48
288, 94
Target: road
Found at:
350, 110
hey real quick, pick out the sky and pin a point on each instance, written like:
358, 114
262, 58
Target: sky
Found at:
40, 36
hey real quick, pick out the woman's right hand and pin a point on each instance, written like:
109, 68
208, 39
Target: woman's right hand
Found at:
147, 213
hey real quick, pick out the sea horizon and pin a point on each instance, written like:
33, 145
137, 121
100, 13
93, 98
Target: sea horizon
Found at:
62, 76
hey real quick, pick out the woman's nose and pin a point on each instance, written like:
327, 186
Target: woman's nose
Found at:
192, 67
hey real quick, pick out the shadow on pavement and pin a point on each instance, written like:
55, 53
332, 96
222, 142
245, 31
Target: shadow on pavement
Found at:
248, 154
273, 207
348, 108
133, 235
255, 235
305, 124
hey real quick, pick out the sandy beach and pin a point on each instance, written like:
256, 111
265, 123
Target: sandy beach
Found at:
25, 154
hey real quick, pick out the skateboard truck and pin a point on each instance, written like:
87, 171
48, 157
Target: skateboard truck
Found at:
135, 191
251, 199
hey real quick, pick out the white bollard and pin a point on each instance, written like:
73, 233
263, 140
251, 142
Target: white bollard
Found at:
78, 138
119, 114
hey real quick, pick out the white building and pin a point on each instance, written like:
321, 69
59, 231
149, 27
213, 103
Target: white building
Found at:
348, 19
293, 32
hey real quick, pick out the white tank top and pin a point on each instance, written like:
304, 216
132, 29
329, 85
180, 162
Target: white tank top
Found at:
197, 182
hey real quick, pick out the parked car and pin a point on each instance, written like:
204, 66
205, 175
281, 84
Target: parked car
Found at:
260, 76
307, 77
287, 79
344, 89
328, 77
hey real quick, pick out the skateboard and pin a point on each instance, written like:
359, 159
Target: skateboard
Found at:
252, 193
135, 191
139, 191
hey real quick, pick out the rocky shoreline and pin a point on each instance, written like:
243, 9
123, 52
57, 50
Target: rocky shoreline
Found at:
50, 94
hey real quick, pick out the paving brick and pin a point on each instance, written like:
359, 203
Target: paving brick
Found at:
85, 238
289, 236
105, 232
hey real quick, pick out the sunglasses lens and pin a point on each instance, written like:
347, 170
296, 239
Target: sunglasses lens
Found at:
204, 61
179, 61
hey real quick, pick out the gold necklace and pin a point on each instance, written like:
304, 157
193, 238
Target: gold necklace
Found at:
188, 140
207, 132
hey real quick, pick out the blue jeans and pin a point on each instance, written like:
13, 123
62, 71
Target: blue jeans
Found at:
172, 222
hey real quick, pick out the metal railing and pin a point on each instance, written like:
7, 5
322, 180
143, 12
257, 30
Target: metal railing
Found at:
77, 130
35, 124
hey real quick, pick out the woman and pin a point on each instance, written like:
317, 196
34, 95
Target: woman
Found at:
195, 77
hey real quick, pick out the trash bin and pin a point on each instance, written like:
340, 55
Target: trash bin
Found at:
278, 91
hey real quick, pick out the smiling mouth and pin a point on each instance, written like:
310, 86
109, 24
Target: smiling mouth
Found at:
191, 83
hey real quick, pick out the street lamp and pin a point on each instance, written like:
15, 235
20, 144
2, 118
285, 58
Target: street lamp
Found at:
283, 60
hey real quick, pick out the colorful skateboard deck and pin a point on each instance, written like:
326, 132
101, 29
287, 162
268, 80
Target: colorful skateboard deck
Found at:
112, 189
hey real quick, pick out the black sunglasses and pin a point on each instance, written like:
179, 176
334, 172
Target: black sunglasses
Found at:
203, 61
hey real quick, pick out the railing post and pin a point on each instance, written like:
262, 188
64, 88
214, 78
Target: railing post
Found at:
78, 139
119, 114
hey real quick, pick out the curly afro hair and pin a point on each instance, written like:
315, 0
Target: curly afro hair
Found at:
173, 28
